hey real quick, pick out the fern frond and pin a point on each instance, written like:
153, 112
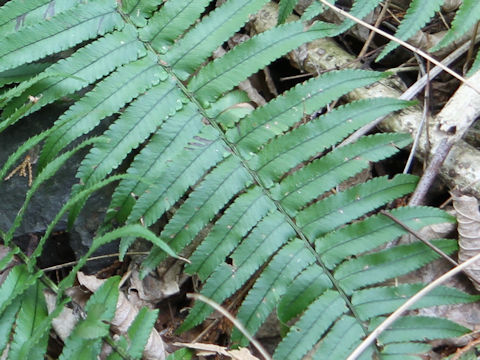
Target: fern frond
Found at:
197, 44
343, 207
285, 8
108, 97
296, 190
139, 331
218, 187
279, 156
32, 313
154, 158
139, 11
377, 301
353, 274
419, 328
269, 235
83, 22
312, 325
18, 14
102, 56
374, 231
86, 339
235, 66
271, 286
308, 286
170, 22
467, 15
195, 160
141, 118
279, 114
18, 280
341, 340
21, 73
247, 210
418, 14
7, 318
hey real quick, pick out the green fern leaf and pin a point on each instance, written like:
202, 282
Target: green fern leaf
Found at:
360, 9
316, 8
309, 329
18, 14
21, 73
141, 118
475, 66
307, 287
109, 96
83, 22
467, 15
418, 14
384, 300
341, 340
170, 22
419, 328
405, 351
7, 318
32, 313
139, 11
378, 229
194, 161
284, 153
269, 235
235, 66
279, 114
103, 56
240, 218
154, 159
356, 274
16, 283
323, 174
139, 331
197, 44
219, 186
182, 354
285, 8
336, 210
85, 340
270, 287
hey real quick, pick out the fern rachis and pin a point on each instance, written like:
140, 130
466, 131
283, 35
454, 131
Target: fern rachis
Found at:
253, 188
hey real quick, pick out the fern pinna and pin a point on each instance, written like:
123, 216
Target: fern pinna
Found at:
257, 185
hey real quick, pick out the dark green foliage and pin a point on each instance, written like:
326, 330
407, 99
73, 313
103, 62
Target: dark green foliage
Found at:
256, 189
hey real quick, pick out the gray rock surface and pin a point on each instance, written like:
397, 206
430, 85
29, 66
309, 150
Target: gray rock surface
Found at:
50, 197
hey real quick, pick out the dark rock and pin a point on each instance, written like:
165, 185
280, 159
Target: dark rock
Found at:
50, 197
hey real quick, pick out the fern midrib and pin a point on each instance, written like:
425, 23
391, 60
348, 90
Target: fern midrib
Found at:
233, 149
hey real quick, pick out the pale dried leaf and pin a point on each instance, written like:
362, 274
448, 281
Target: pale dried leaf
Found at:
211, 349
64, 323
124, 316
468, 218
